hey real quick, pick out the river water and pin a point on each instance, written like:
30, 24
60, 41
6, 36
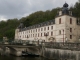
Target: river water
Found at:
3, 57
21, 58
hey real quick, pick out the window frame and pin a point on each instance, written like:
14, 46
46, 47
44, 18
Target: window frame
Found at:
59, 20
70, 20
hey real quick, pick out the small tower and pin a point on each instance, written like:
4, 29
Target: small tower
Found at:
65, 25
65, 11
17, 33
18, 29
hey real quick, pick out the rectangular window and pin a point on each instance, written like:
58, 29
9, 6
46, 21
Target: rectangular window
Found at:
33, 35
31, 31
20, 36
59, 32
51, 27
41, 34
38, 34
44, 28
48, 33
59, 20
44, 34
70, 36
48, 28
41, 29
70, 29
51, 33
70, 20
25, 36
36, 30
29, 35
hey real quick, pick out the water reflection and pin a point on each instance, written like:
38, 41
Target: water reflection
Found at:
21, 58
29, 58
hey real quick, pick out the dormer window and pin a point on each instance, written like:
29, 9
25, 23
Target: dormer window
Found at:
70, 13
60, 13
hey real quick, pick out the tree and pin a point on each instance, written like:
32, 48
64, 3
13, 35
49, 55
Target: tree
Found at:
7, 28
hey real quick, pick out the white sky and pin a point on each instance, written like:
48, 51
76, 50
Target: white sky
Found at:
10, 9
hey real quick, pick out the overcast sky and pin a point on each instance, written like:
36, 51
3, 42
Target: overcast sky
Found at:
10, 9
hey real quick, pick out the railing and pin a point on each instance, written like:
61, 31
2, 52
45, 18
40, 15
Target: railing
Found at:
60, 45
27, 43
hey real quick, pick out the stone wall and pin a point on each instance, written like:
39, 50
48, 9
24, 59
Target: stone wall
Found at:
61, 54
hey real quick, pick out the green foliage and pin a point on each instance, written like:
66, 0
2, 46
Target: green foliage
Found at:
39, 17
76, 9
7, 28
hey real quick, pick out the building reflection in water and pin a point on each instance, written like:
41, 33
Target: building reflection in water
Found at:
28, 58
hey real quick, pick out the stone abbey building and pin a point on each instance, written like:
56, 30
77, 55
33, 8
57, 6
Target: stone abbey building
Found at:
64, 28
